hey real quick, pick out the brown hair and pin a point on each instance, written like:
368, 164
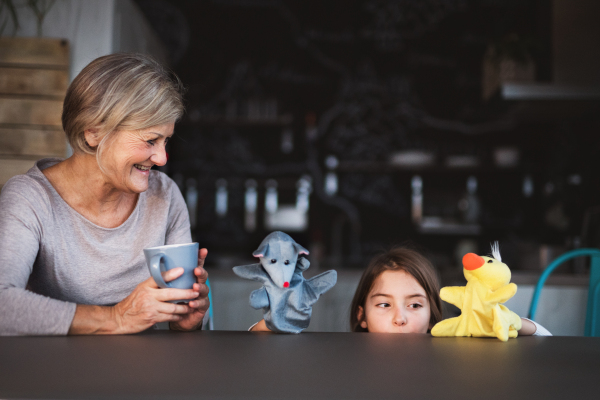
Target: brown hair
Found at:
398, 259
123, 91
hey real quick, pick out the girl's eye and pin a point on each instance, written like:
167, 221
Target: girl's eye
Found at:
383, 305
415, 305
287, 262
273, 261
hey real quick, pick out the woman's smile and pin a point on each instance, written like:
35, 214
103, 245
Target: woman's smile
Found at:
131, 155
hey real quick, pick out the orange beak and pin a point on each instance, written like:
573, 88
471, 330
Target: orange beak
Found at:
472, 261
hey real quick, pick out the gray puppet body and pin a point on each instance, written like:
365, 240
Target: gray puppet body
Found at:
286, 297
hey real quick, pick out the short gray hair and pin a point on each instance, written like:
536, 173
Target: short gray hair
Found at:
123, 91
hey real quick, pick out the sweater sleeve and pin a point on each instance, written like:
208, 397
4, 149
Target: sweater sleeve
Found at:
22, 312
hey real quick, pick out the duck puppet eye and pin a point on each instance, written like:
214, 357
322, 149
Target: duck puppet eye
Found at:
273, 261
490, 261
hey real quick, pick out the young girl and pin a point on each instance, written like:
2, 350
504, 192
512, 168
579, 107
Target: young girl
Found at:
399, 293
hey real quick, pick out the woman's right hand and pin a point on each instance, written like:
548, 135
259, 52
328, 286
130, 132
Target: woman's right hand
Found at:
148, 304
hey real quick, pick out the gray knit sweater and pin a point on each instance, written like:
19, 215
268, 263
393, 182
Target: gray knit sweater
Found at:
52, 258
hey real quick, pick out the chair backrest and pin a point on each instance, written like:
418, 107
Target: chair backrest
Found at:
592, 319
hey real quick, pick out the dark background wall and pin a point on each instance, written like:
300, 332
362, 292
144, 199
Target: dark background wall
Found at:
362, 81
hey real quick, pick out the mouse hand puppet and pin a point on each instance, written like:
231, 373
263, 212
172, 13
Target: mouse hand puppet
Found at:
482, 314
285, 297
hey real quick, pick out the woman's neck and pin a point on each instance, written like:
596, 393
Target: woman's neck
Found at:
81, 183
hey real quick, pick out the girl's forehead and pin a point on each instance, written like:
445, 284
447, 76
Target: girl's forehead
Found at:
397, 282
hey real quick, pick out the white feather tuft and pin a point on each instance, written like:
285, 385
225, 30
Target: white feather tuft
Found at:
496, 251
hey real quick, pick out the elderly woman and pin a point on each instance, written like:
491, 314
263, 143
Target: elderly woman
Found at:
72, 231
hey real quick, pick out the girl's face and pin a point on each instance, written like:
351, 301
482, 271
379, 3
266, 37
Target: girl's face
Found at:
395, 304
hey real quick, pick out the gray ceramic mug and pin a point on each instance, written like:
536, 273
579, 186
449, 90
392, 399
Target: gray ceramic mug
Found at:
164, 258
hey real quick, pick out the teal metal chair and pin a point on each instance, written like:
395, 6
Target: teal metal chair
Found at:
208, 324
592, 319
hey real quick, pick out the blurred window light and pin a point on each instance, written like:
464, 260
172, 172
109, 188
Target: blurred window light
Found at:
221, 198
528, 186
304, 188
331, 162
271, 197
331, 183
250, 205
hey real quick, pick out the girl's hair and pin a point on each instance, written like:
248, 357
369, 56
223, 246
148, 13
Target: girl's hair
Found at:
398, 259
123, 91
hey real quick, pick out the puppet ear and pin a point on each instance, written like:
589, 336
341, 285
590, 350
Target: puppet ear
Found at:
261, 251
302, 264
300, 249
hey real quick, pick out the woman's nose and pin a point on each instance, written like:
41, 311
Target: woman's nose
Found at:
160, 156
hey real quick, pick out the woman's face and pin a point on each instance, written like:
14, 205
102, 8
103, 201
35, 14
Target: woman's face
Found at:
130, 155
396, 304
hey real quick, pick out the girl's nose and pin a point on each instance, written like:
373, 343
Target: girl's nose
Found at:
399, 318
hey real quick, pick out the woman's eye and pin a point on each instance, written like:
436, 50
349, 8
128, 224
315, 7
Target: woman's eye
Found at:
273, 261
151, 142
167, 140
287, 262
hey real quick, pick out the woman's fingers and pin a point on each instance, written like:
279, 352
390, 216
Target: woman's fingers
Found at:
172, 308
201, 274
201, 304
201, 288
176, 294
172, 274
201, 257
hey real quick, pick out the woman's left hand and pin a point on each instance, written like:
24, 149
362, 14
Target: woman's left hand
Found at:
198, 306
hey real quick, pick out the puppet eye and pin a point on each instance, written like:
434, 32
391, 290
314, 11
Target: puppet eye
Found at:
490, 261
287, 262
273, 261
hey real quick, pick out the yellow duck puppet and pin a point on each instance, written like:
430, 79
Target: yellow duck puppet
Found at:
482, 314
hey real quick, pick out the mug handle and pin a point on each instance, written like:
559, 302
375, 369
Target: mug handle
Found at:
155, 270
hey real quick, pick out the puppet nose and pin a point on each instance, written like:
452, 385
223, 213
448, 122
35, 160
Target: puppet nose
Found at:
286, 284
472, 261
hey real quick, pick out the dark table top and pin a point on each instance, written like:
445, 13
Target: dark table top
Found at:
231, 365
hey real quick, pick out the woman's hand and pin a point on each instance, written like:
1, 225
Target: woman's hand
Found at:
199, 306
149, 304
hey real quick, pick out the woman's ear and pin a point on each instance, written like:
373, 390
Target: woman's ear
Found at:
91, 137
360, 315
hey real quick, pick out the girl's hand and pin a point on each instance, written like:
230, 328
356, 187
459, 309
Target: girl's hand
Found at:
527, 328
260, 326
199, 306
148, 304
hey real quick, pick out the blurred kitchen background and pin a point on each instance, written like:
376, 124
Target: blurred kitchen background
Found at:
353, 126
